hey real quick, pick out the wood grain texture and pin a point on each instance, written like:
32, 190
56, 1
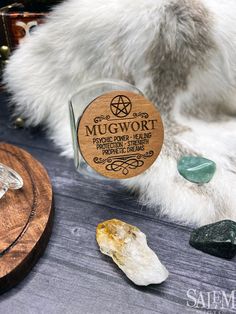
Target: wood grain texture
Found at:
74, 277
25, 216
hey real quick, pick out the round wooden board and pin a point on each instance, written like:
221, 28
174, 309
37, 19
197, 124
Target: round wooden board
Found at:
25, 217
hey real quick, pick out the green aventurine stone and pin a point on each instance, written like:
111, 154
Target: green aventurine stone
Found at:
196, 169
218, 239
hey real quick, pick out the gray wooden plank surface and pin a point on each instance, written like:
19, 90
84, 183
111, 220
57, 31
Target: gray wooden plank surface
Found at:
74, 277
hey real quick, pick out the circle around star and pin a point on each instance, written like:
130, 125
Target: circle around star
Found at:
121, 106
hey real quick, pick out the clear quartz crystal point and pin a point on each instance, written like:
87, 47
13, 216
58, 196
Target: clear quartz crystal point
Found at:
3, 189
9, 179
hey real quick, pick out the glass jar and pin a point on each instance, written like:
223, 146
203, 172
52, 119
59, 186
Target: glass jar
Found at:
117, 133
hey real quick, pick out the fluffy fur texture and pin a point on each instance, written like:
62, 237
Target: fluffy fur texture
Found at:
180, 53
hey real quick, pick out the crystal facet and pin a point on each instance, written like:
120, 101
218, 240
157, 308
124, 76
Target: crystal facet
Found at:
128, 248
218, 239
9, 179
196, 169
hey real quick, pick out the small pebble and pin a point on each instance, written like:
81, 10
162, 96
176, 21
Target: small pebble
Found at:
196, 169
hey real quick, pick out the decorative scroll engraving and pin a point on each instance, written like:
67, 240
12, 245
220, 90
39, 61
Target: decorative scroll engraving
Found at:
101, 118
143, 115
124, 163
120, 164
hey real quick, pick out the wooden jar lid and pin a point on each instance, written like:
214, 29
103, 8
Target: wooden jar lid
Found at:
25, 217
120, 134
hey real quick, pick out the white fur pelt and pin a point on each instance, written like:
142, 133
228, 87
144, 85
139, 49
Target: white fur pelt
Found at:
180, 53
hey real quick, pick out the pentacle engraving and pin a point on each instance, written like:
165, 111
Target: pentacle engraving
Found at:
121, 106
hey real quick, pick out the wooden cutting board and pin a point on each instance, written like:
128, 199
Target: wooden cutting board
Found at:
25, 217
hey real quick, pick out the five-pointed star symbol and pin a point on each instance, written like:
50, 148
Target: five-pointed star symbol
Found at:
122, 106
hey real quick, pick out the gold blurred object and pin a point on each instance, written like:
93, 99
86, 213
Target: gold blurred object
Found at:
5, 52
19, 122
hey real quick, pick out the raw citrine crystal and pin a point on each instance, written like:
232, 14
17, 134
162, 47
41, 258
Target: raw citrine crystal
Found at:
128, 248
